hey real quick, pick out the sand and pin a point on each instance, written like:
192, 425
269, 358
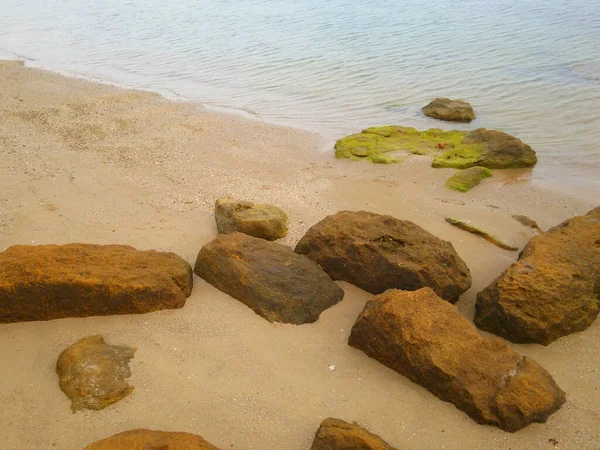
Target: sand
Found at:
86, 162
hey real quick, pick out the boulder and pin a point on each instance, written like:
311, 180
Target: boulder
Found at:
467, 179
335, 434
78, 280
270, 278
552, 290
427, 340
487, 148
92, 373
142, 439
376, 253
258, 220
449, 110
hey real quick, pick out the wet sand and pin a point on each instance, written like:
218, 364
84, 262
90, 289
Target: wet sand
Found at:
84, 162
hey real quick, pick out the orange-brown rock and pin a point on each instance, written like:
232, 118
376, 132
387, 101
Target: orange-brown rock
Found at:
142, 439
270, 278
93, 374
427, 340
552, 290
78, 280
335, 434
377, 253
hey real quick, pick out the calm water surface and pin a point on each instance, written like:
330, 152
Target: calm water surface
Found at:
529, 67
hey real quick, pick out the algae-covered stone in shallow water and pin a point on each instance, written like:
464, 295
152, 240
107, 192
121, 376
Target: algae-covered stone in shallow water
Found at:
467, 179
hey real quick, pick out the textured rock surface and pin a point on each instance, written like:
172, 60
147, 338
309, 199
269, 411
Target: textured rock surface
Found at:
258, 220
430, 342
78, 280
93, 373
142, 439
377, 253
467, 179
552, 290
487, 148
276, 283
479, 232
335, 434
450, 110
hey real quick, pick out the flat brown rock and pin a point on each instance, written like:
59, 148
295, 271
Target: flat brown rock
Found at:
449, 110
270, 278
47, 282
142, 439
427, 340
92, 374
335, 434
552, 290
377, 253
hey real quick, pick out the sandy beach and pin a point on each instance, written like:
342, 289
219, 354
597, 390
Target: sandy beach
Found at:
93, 163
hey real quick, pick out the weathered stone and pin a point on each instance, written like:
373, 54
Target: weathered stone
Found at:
276, 283
487, 148
92, 374
449, 110
467, 179
142, 439
430, 342
335, 434
526, 221
78, 280
377, 253
552, 290
258, 220
479, 232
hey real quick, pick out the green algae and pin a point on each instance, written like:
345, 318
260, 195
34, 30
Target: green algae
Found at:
467, 179
462, 156
478, 231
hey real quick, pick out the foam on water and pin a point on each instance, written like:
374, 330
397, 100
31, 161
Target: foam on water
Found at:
529, 68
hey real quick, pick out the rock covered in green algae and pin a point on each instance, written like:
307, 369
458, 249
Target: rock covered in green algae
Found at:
468, 178
450, 110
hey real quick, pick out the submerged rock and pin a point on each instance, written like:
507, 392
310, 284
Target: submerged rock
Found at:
467, 179
258, 220
92, 374
276, 283
479, 232
377, 253
526, 221
142, 439
335, 434
552, 290
430, 342
78, 280
449, 110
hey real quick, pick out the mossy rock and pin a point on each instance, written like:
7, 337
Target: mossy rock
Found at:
468, 178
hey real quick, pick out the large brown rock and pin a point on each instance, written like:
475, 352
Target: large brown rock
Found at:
270, 278
377, 253
78, 280
552, 290
335, 434
429, 341
142, 439
258, 220
449, 110
92, 374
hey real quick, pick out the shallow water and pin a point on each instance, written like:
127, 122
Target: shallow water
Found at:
529, 68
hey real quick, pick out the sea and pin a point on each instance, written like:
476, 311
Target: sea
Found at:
530, 68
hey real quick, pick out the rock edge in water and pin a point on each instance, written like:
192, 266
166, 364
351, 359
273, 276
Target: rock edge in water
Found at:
449, 110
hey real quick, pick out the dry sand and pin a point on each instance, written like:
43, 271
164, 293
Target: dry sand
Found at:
84, 162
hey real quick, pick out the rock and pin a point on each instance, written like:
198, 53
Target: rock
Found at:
487, 148
450, 110
276, 283
261, 221
92, 374
142, 439
430, 342
335, 434
467, 179
78, 280
377, 253
526, 221
552, 290
478, 231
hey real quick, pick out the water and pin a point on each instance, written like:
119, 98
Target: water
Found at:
529, 67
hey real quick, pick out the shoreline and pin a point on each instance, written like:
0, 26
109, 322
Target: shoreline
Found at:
88, 162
